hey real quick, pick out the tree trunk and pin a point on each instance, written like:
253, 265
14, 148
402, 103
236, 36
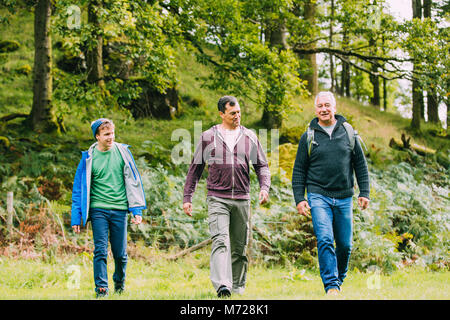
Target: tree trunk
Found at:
432, 106
330, 44
277, 39
416, 105
346, 78
417, 96
42, 117
427, 8
417, 8
374, 80
312, 78
375, 99
94, 55
345, 73
432, 99
385, 94
447, 103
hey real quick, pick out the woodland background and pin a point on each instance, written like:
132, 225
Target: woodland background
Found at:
157, 66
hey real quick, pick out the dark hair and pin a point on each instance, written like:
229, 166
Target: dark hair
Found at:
221, 105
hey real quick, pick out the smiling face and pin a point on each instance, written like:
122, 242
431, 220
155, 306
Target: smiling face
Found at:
325, 110
105, 137
231, 118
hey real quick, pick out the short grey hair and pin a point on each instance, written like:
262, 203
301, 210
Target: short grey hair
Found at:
328, 94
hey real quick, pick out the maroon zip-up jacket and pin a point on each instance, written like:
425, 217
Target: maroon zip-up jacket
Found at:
229, 170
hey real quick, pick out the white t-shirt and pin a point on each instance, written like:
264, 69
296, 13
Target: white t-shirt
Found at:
229, 136
329, 129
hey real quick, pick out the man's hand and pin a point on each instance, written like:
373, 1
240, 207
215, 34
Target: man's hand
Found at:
137, 219
363, 203
263, 197
303, 208
187, 207
76, 229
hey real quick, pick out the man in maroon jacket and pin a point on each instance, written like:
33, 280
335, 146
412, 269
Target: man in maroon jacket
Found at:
228, 149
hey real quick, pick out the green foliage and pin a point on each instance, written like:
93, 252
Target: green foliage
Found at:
242, 63
406, 220
9, 46
427, 42
292, 134
166, 224
24, 70
136, 30
194, 101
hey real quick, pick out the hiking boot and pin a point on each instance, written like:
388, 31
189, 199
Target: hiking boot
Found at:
119, 288
101, 292
223, 292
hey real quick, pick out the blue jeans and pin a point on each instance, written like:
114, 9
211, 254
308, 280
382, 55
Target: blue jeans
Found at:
114, 223
332, 221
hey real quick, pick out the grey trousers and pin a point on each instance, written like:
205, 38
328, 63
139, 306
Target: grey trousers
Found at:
229, 227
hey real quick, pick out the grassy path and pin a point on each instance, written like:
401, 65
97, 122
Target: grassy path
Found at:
71, 277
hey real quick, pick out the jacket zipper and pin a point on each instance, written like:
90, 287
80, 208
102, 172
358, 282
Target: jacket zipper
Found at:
232, 174
131, 167
232, 159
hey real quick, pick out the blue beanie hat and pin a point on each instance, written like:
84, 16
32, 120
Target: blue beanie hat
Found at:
95, 124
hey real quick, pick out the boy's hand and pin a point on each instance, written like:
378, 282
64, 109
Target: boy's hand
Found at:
137, 219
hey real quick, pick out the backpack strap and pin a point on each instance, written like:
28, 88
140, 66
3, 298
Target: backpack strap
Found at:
351, 134
309, 139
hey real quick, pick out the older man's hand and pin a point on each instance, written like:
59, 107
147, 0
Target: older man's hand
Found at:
303, 208
363, 203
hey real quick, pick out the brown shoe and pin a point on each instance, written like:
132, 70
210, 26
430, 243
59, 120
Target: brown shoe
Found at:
332, 292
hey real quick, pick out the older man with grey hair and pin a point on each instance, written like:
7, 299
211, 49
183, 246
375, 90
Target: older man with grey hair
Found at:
328, 154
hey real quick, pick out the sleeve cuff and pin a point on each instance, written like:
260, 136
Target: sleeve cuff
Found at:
136, 212
364, 195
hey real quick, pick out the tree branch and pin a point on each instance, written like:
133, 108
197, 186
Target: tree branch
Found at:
340, 52
375, 74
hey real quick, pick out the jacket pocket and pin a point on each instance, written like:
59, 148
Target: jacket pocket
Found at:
241, 179
219, 177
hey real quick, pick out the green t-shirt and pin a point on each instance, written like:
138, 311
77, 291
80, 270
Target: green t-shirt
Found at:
107, 183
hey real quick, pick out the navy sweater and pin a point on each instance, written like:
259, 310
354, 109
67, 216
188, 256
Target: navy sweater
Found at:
329, 168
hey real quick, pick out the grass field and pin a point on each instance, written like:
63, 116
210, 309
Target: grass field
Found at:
71, 277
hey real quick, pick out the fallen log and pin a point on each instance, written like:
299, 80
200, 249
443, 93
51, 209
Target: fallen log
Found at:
13, 116
190, 249
405, 144
208, 241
